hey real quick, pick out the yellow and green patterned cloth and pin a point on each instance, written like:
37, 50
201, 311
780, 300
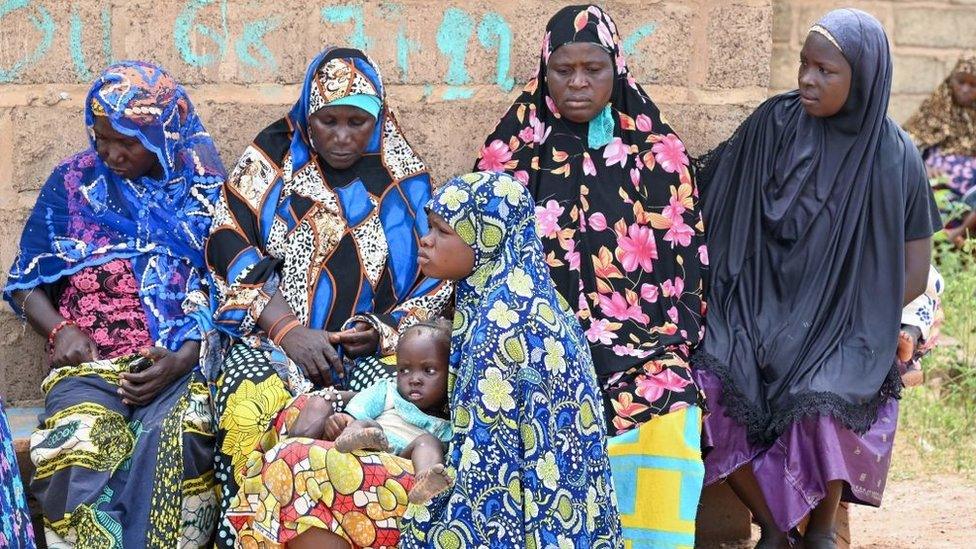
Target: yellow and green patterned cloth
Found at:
110, 475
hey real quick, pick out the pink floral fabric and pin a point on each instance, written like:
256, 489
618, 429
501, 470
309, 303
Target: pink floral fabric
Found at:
621, 228
104, 302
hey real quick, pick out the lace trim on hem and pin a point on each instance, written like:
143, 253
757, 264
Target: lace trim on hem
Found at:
765, 428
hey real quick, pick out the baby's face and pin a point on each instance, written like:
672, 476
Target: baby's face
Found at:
422, 370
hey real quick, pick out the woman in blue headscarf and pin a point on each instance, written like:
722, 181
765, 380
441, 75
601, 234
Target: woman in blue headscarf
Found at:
111, 271
819, 219
314, 253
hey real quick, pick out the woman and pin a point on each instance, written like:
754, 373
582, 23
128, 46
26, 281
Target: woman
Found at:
944, 129
15, 520
529, 450
314, 251
618, 216
110, 261
819, 221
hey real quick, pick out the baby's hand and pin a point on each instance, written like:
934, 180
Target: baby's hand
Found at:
907, 341
336, 424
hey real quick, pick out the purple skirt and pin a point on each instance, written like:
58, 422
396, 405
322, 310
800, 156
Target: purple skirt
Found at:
794, 471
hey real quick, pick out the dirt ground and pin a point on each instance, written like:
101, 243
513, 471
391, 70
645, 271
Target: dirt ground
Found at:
936, 512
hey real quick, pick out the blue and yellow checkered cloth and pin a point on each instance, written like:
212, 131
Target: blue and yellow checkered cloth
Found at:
658, 473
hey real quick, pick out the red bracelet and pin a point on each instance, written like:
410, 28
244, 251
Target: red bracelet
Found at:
61, 325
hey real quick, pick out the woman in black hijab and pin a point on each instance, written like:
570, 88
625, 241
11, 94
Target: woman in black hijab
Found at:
818, 217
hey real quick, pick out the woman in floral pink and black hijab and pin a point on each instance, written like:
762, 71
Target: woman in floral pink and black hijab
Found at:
618, 214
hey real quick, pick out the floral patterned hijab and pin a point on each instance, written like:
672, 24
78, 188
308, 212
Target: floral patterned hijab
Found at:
620, 224
522, 391
86, 215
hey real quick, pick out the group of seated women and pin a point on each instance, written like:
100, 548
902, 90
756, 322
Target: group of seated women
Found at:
261, 359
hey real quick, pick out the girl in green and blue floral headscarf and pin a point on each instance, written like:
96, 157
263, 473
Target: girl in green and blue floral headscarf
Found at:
529, 447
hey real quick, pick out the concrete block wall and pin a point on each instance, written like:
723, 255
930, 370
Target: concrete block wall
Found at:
926, 40
452, 68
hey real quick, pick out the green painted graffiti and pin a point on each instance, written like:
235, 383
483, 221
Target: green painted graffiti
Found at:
42, 21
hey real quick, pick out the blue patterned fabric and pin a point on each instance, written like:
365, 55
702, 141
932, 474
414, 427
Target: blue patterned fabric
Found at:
86, 215
16, 531
337, 243
528, 449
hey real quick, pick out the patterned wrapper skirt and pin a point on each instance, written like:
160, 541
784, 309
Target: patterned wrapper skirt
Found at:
15, 524
250, 393
794, 471
293, 484
658, 474
112, 476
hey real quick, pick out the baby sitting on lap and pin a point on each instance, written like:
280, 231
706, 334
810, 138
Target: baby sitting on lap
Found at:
406, 416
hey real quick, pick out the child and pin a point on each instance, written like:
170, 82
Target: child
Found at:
920, 320
528, 445
407, 417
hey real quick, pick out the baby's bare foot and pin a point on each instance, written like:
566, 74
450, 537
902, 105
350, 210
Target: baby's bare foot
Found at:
906, 347
429, 483
370, 438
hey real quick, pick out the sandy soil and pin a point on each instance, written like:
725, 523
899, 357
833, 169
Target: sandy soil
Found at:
935, 512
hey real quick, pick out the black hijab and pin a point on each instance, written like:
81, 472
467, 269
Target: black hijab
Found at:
619, 221
806, 222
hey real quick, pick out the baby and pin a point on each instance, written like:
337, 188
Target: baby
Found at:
406, 416
920, 320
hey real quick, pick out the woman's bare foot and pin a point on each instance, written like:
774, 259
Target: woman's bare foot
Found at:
429, 483
370, 438
773, 539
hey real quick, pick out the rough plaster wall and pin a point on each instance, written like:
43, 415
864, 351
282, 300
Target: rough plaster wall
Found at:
926, 40
451, 68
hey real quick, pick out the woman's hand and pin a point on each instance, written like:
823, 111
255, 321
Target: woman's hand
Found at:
141, 388
310, 422
72, 346
360, 340
314, 354
336, 424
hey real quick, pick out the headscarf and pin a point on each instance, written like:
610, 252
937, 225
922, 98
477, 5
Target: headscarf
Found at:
941, 122
86, 215
807, 220
516, 350
493, 214
336, 243
620, 222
